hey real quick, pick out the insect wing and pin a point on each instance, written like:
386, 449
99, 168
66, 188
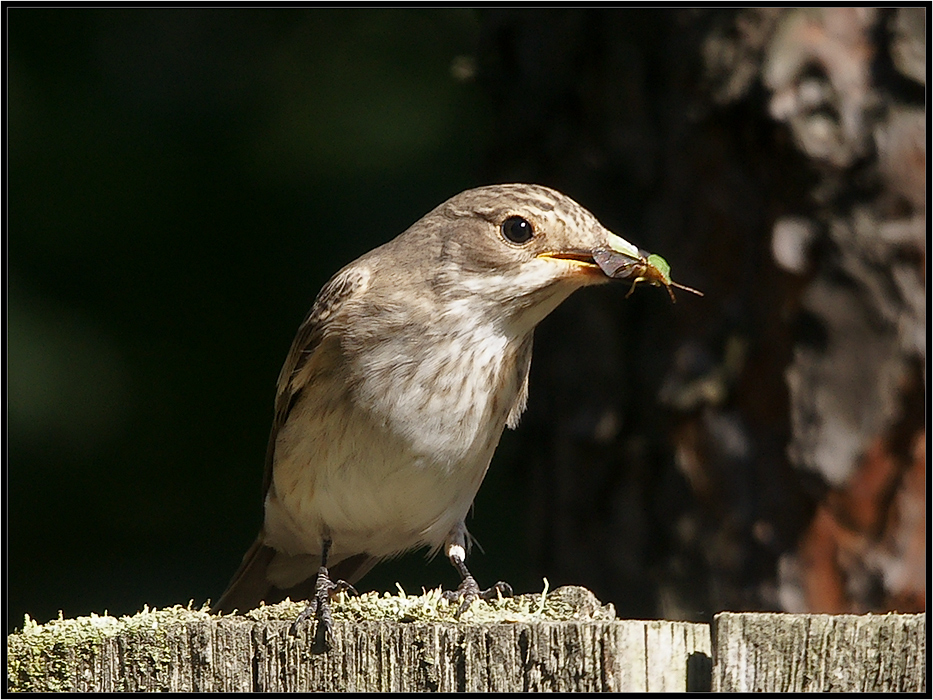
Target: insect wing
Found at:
616, 265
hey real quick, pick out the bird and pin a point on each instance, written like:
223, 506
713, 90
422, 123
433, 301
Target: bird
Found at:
399, 383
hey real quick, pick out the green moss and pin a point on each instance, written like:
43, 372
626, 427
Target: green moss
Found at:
41, 657
567, 603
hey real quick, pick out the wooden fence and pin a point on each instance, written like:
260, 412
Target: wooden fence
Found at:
566, 641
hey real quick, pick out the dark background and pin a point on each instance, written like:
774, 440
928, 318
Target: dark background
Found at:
181, 182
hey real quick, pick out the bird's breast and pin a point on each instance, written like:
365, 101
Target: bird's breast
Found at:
446, 395
386, 451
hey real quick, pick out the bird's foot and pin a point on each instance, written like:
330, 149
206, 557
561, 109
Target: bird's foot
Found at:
468, 591
319, 607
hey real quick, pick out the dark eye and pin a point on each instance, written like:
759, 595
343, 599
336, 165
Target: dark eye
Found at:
517, 230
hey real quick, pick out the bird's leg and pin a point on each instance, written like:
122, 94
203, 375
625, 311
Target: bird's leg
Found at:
468, 590
319, 605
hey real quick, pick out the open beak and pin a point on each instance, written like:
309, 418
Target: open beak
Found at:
582, 258
580, 265
607, 262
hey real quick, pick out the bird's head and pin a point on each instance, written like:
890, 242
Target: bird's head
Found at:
520, 249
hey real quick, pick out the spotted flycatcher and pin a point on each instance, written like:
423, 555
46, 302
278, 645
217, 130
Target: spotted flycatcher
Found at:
399, 383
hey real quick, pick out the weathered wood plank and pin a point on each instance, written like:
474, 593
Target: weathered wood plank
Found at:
565, 642
525, 649
819, 653
572, 656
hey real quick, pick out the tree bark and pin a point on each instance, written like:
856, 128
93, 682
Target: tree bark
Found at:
762, 447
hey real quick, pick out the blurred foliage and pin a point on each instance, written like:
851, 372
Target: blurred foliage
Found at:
181, 183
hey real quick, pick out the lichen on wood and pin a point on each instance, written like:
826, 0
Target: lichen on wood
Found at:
565, 640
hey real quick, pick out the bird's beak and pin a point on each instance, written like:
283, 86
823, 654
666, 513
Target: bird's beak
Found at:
584, 261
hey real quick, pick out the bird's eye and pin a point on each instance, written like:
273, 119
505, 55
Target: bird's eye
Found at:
517, 230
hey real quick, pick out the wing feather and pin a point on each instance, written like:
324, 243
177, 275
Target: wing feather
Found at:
347, 283
524, 367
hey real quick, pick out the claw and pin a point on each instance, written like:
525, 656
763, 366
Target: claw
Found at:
325, 590
468, 591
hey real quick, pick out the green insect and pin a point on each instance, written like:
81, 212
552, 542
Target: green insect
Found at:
640, 267
655, 270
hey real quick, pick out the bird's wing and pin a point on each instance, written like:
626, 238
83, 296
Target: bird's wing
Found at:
292, 381
250, 584
524, 367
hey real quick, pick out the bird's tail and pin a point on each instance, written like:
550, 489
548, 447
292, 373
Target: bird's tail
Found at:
251, 585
